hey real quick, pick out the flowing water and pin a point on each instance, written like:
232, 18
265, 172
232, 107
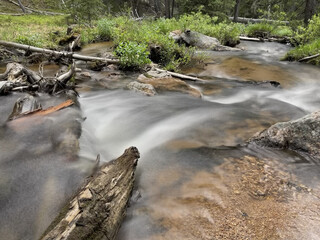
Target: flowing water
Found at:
196, 178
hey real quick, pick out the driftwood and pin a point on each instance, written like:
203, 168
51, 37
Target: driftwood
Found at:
36, 110
18, 78
251, 39
13, 14
58, 54
97, 211
180, 76
29, 10
252, 20
309, 58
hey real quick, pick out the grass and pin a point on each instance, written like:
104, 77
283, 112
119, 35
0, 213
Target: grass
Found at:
32, 29
267, 30
305, 50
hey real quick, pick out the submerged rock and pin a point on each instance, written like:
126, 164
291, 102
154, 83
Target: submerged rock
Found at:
301, 135
146, 89
163, 82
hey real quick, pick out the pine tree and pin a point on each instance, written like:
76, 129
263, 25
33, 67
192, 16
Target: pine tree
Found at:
85, 11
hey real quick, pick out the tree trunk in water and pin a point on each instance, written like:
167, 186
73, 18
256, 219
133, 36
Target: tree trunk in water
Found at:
309, 10
97, 211
236, 10
21, 6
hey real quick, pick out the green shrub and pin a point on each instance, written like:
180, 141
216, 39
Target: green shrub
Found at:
132, 55
32, 40
105, 28
302, 51
282, 31
311, 33
259, 30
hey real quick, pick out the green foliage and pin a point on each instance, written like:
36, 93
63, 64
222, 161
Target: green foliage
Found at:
85, 11
105, 28
33, 40
218, 8
156, 33
302, 51
311, 33
32, 29
132, 55
282, 31
259, 30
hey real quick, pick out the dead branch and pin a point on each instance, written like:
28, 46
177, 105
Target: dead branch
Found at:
180, 76
252, 20
309, 58
58, 53
29, 10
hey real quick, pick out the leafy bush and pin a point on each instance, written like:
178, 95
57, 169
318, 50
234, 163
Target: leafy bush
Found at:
132, 55
105, 28
259, 30
33, 40
302, 51
311, 33
282, 31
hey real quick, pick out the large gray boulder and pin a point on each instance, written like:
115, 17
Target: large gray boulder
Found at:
301, 135
199, 40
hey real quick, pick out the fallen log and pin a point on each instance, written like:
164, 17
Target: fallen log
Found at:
29, 10
19, 78
97, 211
58, 54
13, 14
252, 20
36, 108
309, 58
180, 76
251, 39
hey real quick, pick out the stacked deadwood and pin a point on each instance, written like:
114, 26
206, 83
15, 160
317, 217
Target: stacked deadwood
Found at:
19, 78
97, 211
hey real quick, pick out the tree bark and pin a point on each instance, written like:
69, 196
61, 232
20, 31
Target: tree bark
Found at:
168, 8
236, 11
157, 8
21, 6
309, 10
252, 20
172, 9
97, 211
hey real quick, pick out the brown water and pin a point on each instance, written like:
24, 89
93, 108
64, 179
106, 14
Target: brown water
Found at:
196, 178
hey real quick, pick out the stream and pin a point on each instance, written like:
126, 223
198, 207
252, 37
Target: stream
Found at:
196, 179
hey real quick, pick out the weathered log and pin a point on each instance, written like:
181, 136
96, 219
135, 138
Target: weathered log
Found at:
251, 39
29, 10
180, 76
28, 106
19, 78
97, 211
252, 20
76, 44
13, 14
309, 58
70, 55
